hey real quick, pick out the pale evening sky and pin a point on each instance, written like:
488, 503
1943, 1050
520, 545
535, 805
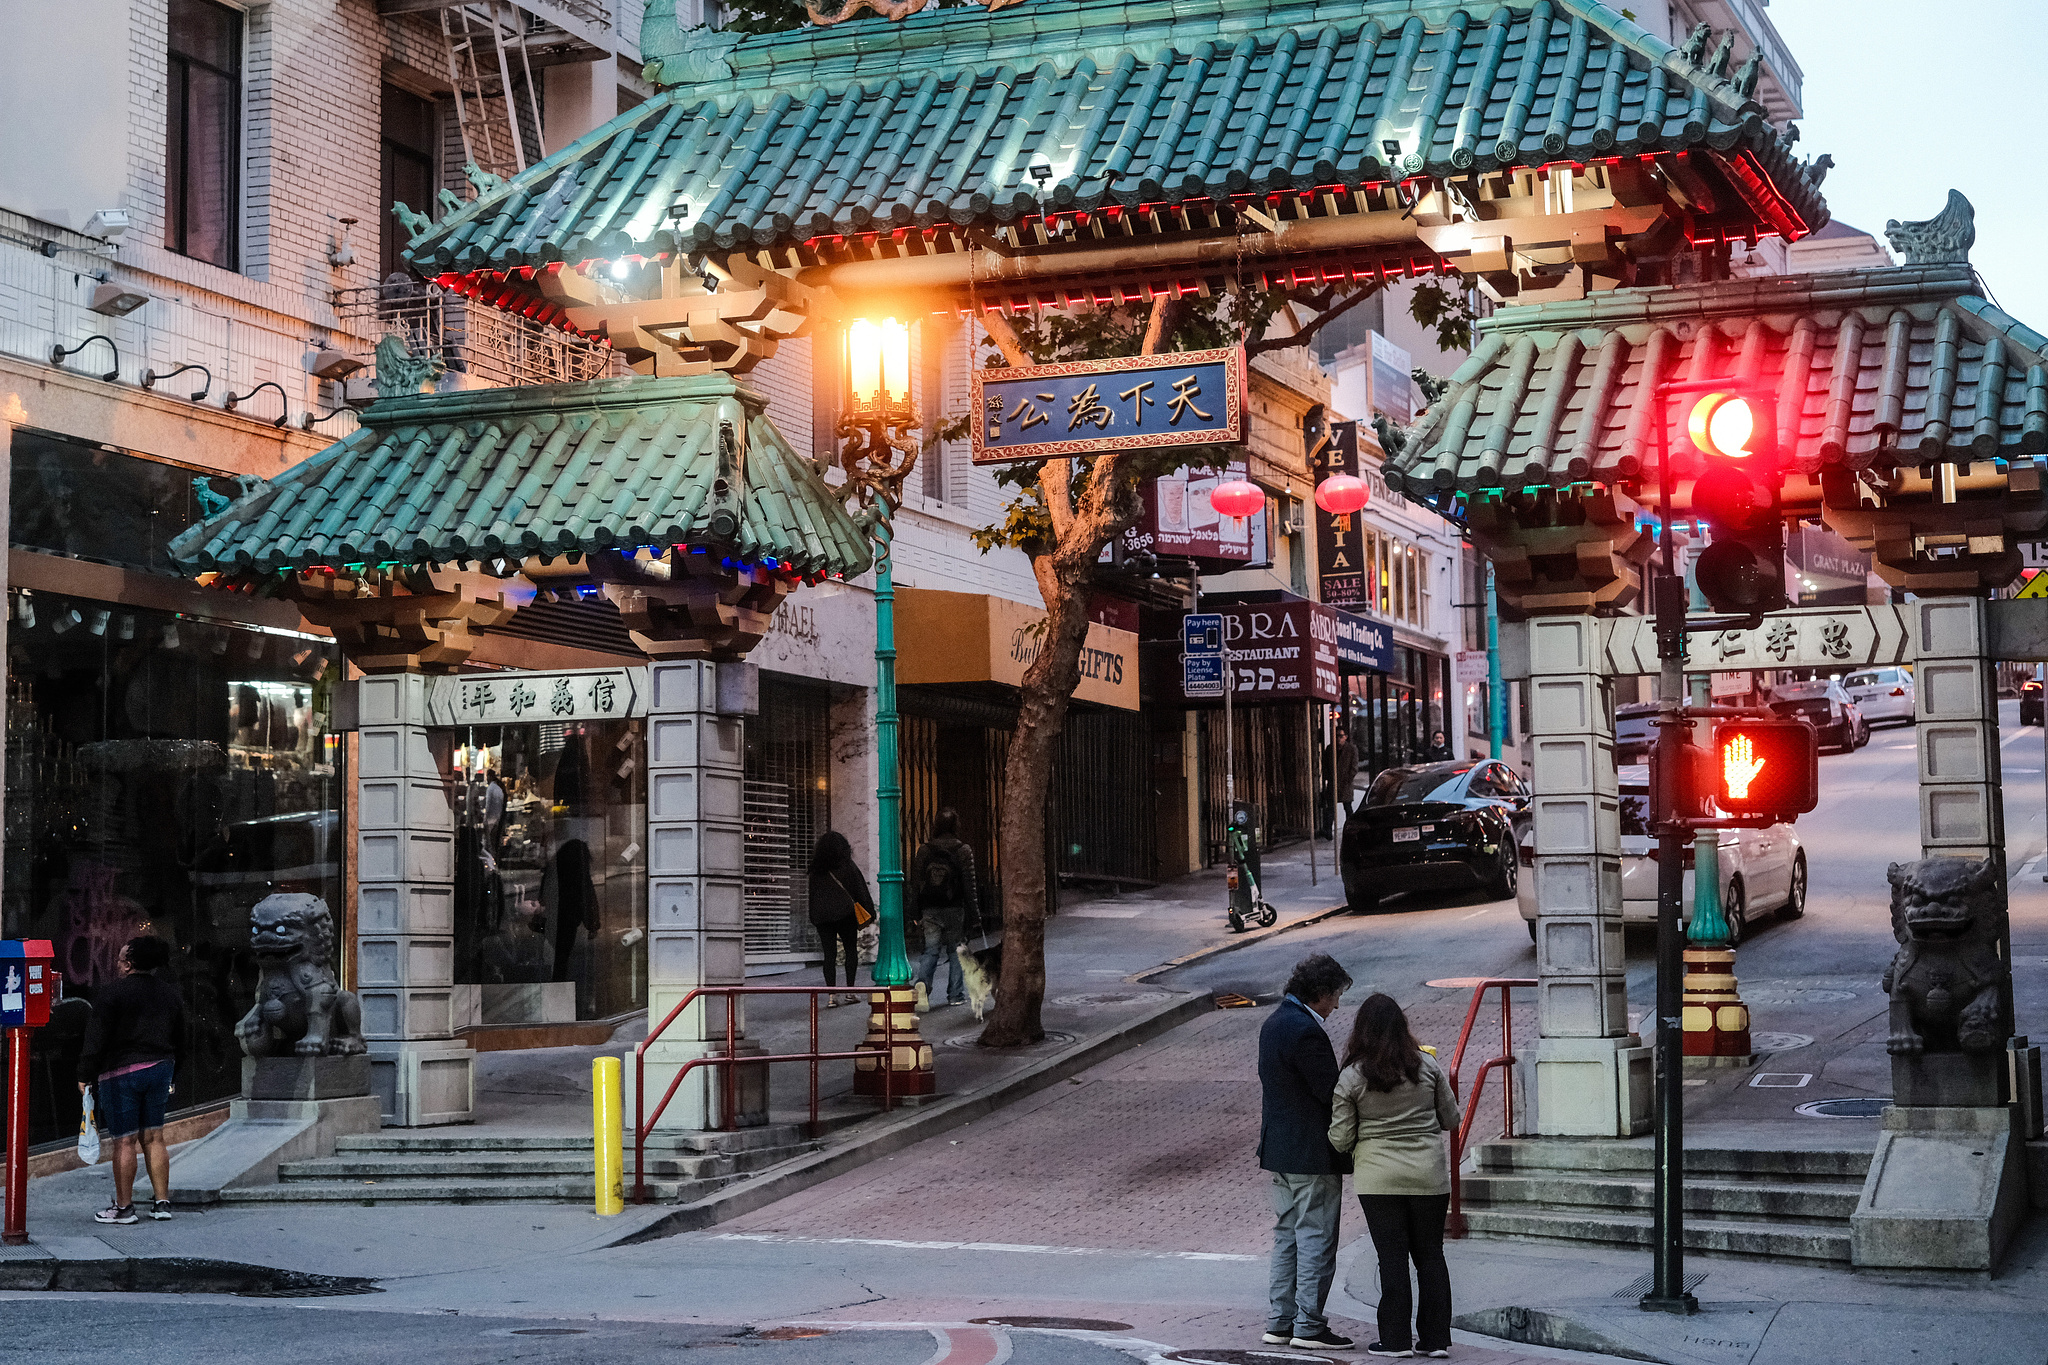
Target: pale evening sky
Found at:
1915, 97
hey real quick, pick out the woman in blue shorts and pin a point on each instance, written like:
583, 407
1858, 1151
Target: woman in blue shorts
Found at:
130, 1057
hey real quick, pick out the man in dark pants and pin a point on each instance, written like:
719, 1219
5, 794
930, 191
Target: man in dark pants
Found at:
1297, 1075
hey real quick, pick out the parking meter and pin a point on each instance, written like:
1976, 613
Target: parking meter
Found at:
28, 982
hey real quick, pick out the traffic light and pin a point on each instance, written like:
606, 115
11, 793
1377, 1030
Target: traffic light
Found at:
1736, 494
1766, 767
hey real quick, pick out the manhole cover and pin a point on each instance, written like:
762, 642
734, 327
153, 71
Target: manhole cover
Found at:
1057, 1324
1051, 1039
1868, 1108
550, 1331
1778, 1042
1090, 998
792, 1333
1794, 995
1233, 1357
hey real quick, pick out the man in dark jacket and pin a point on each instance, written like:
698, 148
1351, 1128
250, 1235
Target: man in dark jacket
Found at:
129, 1057
1297, 1076
942, 889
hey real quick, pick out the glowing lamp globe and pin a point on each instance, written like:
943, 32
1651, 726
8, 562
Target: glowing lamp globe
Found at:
1238, 498
1342, 494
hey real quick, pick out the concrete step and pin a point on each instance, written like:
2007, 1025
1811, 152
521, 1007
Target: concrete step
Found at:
1568, 1154
556, 1191
1817, 1203
774, 1135
465, 1166
1778, 1241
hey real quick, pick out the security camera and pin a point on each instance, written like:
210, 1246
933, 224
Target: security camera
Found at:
107, 224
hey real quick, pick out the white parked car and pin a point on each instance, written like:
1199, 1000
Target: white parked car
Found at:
1762, 870
1882, 694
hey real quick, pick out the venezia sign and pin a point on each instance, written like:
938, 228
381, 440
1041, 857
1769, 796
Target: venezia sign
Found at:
533, 698
1094, 407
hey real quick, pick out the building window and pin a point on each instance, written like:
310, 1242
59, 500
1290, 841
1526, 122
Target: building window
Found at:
408, 168
202, 142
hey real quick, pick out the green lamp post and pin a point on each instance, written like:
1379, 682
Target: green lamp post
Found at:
879, 455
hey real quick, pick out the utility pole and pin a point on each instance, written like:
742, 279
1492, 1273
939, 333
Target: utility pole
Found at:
1496, 699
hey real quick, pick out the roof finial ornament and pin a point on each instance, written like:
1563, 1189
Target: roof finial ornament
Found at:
414, 223
400, 372
486, 183
1817, 169
1944, 239
1746, 77
1695, 49
1718, 64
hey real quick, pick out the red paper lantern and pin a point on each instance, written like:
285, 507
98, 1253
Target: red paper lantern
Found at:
1342, 494
1238, 498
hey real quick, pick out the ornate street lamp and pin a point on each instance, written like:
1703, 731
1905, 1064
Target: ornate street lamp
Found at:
878, 456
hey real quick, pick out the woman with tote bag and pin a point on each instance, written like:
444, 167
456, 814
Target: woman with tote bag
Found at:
840, 905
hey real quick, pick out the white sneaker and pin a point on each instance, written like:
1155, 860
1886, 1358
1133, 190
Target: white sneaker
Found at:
923, 1003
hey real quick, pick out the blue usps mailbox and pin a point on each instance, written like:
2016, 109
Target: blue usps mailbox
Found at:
27, 982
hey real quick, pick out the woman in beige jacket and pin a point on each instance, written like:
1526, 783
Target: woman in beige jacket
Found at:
1390, 1112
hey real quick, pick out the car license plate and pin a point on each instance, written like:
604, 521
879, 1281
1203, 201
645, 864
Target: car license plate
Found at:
1410, 835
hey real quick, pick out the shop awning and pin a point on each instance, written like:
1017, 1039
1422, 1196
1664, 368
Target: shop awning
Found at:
967, 637
506, 474
1910, 365
971, 118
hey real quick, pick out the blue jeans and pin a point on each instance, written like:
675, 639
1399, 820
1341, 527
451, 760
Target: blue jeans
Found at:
940, 945
135, 1101
1306, 1209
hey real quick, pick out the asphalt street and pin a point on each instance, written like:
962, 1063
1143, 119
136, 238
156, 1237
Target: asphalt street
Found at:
1127, 1197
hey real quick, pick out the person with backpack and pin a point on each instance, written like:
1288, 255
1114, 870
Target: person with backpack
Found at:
840, 904
129, 1058
942, 882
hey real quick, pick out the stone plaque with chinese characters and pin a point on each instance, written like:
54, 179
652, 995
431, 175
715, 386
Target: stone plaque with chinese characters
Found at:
1819, 637
530, 698
1094, 407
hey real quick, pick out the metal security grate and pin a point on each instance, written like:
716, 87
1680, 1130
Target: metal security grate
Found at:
788, 795
1645, 1282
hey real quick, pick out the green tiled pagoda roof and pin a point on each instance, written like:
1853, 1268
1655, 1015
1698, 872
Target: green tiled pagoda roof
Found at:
547, 470
1878, 367
872, 125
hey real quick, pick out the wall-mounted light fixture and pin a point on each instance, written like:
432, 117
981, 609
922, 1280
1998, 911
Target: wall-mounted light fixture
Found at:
107, 224
116, 300
307, 419
57, 354
329, 363
283, 399
150, 379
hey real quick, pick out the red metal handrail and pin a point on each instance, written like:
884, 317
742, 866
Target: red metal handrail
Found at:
1455, 1225
643, 1123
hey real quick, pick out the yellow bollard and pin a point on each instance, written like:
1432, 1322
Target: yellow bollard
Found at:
606, 1134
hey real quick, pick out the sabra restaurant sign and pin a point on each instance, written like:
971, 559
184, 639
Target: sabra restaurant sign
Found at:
1278, 651
1093, 407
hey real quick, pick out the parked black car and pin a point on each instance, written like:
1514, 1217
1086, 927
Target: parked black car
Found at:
1823, 704
1438, 827
2030, 702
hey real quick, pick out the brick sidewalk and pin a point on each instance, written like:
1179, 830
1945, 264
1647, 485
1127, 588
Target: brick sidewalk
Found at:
1151, 1152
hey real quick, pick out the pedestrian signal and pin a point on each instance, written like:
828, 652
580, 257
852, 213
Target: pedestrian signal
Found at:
1736, 494
1766, 767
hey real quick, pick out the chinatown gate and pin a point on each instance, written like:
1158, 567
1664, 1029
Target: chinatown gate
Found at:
1060, 154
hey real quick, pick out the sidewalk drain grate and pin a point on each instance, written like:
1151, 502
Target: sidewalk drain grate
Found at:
792, 1333
1234, 1357
1056, 1324
1231, 1000
1645, 1282
312, 1291
550, 1331
1866, 1108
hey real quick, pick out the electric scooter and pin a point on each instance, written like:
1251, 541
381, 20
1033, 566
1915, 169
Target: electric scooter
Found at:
1247, 905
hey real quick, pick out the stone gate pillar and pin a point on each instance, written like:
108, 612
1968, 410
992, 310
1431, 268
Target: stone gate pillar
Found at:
1592, 1077
1956, 690
405, 910
695, 761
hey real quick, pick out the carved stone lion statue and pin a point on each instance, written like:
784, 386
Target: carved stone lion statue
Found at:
300, 1008
1947, 982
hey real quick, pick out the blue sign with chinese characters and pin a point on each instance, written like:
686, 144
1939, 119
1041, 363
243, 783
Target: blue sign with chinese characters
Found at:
1096, 407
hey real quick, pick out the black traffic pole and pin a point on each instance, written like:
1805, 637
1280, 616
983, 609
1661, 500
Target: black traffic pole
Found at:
1669, 1294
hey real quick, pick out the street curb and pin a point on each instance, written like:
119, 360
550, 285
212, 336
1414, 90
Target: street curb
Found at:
118, 1274
1231, 945
800, 1174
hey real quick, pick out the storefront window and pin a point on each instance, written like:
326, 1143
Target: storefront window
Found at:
550, 869
163, 775
88, 501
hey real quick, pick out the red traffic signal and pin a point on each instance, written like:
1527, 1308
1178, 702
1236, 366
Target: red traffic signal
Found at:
1766, 767
1736, 495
